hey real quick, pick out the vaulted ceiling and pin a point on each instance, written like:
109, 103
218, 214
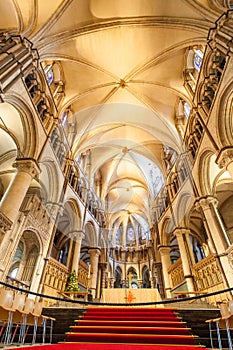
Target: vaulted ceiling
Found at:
123, 64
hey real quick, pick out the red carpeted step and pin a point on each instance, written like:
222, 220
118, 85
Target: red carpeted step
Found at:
130, 338
132, 318
128, 323
130, 330
109, 346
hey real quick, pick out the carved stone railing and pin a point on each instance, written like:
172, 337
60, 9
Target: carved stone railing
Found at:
56, 279
83, 274
176, 273
17, 283
208, 279
16, 56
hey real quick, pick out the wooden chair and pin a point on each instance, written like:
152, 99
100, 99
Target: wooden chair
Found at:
6, 313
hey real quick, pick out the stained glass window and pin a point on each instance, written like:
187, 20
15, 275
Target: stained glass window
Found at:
49, 74
64, 118
197, 59
186, 110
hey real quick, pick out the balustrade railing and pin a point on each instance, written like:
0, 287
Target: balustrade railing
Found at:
176, 273
208, 279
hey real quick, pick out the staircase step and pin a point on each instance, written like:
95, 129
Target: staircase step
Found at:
130, 338
133, 330
128, 323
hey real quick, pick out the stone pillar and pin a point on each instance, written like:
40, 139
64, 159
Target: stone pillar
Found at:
216, 233
182, 235
225, 159
103, 279
94, 262
77, 237
27, 169
166, 262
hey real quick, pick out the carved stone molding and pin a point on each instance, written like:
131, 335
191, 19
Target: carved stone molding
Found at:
27, 165
205, 203
5, 222
77, 235
230, 256
225, 157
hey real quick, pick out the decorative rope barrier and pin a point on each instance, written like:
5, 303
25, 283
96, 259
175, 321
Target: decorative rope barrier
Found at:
82, 302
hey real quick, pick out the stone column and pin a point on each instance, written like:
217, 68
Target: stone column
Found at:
166, 262
94, 261
102, 279
77, 237
27, 169
225, 159
216, 233
180, 234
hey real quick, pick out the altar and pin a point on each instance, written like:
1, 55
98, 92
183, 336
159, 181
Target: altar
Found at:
130, 295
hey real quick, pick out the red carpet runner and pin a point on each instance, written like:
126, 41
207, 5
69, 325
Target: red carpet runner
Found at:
135, 326
127, 329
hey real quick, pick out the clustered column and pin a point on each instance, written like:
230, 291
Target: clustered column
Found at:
94, 262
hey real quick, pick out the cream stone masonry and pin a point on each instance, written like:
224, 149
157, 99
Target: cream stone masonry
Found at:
27, 169
180, 233
94, 261
225, 159
165, 260
76, 237
216, 233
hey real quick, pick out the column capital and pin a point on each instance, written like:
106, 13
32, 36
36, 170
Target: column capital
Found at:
225, 157
205, 203
27, 165
164, 249
103, 266
94, 251
181, 231
54, 209
76, 235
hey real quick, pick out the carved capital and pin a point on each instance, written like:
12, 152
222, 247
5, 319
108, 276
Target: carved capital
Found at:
95, 252
5, 223
181, 231
164, 250
76, 236
27, 165
225, 157
205, 203
54, 209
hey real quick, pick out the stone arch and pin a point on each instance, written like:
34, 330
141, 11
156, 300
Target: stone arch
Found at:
91, 234
204, 185
223, 117
28, 138
49, 181
25, 258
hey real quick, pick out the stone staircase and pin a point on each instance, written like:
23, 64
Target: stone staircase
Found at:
195, 319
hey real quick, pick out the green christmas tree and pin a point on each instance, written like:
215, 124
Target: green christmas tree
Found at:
72, 285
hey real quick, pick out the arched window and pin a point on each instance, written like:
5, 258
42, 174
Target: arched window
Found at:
193, 66
197, 59
49, 74
187, 110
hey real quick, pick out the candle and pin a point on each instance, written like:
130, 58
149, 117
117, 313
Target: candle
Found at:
109, 274
89, 271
